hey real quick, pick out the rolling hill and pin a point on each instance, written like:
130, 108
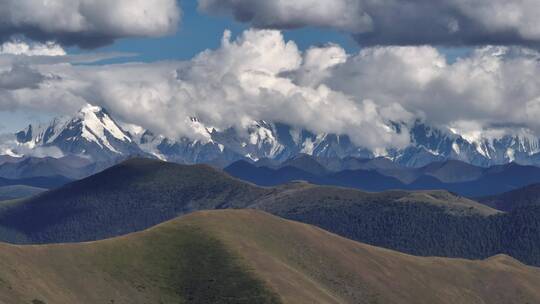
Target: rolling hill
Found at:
247, 256
141, 193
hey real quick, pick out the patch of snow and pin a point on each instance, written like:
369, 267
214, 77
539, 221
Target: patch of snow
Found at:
308, 146
10, 152
202, 132
253, 158
510, 153
295, 134
456, 148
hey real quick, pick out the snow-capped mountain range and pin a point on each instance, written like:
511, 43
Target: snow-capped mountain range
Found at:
95, 134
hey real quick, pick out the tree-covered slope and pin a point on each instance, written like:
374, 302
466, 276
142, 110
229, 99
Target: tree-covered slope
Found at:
520, 198
129, 197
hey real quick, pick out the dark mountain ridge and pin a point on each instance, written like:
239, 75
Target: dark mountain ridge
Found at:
454, 176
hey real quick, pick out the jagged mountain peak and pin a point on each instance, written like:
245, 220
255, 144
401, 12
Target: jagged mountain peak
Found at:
91, 132
97, 125
94, 132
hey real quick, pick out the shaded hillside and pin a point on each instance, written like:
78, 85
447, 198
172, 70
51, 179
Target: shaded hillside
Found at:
508, 201
251, 257
129, 197
141, 193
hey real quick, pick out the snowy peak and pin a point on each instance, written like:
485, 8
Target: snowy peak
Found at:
97, 126
92, 132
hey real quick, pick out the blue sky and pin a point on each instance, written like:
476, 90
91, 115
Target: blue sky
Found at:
199, 31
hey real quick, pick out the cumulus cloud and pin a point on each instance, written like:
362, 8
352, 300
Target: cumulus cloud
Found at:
244, 80
87, 23
397, 22
241, 82
346, 15
260, 76
17, 47
494, 87
20, 77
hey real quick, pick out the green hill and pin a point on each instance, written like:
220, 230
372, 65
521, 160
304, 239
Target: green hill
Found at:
250, 257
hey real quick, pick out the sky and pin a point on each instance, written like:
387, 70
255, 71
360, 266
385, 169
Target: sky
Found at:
331, 66
196, 33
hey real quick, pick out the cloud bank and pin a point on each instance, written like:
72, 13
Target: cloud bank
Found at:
260, 76
87, 23
397, 22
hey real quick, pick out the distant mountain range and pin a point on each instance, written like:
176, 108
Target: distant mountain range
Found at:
246, 256
381, 174
94, 134
525, 197
141, 193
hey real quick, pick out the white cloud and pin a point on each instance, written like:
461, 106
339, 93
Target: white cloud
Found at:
242, 81
87, 23
260, 76
346, 15
397, 22
17, 47
10, 146
495, 86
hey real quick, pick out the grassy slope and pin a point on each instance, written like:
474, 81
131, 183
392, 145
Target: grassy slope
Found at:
178, 262
248, 256
304, 195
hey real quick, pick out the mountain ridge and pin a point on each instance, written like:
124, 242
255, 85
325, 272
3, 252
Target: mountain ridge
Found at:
374, 175
94, 133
